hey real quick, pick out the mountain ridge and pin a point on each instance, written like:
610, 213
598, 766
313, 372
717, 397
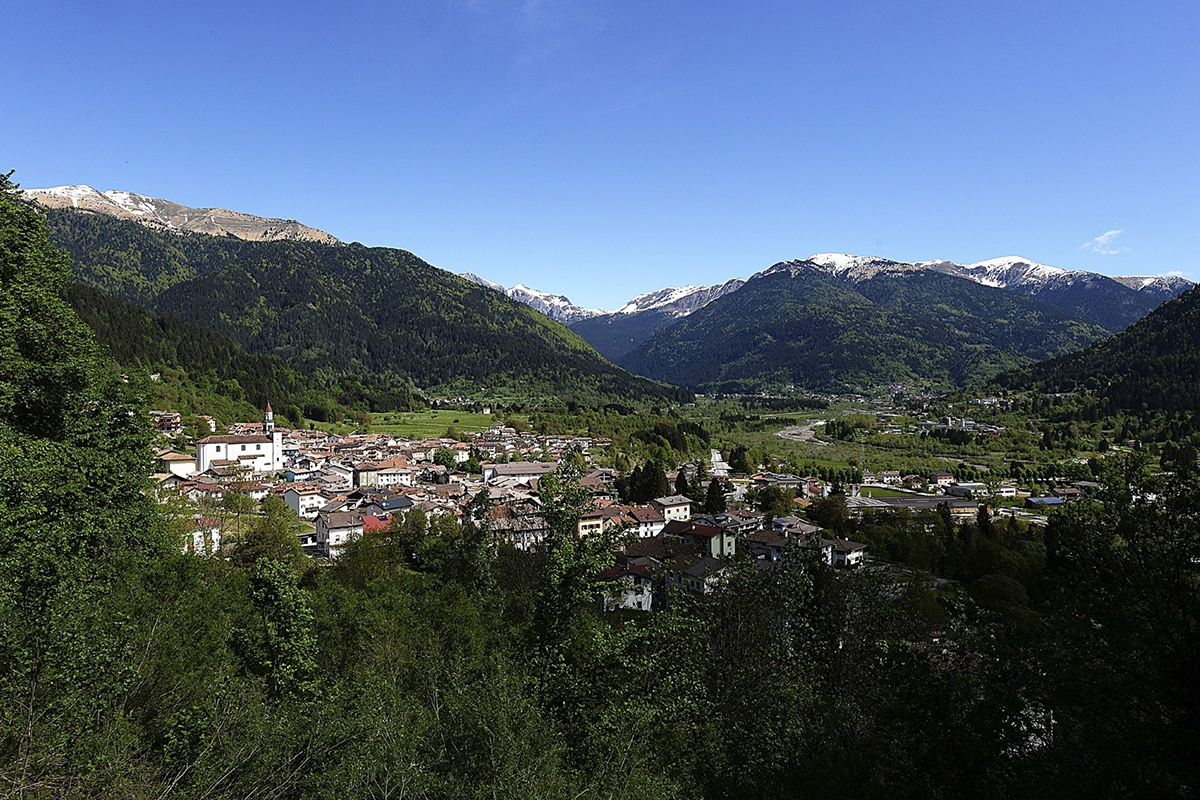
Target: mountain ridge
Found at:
171, 216
347, 310
857, 324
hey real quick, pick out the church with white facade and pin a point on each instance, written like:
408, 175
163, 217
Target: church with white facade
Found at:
260, 453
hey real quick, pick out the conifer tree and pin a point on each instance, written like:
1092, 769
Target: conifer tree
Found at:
714, 501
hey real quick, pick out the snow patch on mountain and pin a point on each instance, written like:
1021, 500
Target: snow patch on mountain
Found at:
679, 301
554, 306
1140, 282
482, 281
1162, 286
657, 298
166, 214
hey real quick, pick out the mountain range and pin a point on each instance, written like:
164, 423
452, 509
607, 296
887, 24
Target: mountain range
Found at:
1110, 302
832, 324
832, 321
671, 302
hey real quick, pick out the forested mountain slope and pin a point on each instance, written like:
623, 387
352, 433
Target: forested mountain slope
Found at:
347, 310
614, 335
205, 372
797, 323
1153, 364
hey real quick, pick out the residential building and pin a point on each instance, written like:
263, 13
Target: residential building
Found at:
335, 529
673, 507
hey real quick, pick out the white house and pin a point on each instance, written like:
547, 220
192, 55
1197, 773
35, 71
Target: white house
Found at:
627, 586
257, 452
847, 553
647, 522
176, 463
940, 479
673, 507
522, 471
305, 501
335, 529
204, 536
395, 476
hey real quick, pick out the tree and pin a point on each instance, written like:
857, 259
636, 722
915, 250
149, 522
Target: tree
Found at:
654, 481
774, 502
287, 618
77, 524
681, 484
714, 501
738, 461
830, 512
445, 457
270, 536
1126, 621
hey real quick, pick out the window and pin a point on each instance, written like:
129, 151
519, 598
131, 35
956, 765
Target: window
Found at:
243, 448
258, 447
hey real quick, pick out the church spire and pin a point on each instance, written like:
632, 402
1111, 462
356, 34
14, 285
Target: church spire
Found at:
268, 419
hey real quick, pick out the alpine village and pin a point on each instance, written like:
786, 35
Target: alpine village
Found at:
569, 400
287, 516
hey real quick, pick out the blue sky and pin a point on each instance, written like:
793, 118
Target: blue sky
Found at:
603, 149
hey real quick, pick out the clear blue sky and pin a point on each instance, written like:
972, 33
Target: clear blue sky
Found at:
602, 149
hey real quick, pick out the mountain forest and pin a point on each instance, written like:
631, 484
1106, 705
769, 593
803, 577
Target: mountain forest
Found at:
344, 310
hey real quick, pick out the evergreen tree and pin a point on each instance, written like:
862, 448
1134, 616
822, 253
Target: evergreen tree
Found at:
714, 501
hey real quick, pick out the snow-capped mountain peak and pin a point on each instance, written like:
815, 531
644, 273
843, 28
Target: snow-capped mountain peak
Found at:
679, 301
555, 306
75, 194
1013, 271
657, 298
1162, 286
482, 281
845, 262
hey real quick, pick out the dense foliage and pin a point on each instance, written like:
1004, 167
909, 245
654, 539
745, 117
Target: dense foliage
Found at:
821, 332
346, 310
205, 372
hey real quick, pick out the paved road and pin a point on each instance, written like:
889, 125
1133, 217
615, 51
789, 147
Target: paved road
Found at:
803, 433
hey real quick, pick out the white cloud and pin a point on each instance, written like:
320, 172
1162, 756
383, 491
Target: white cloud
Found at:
1175, 273
1103, 244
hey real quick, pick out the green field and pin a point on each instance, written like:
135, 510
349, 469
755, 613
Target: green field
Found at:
876, 491
422, 424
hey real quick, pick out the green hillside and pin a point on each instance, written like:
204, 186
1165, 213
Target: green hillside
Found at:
1153, 366
346, 310
203, 372
800, 325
